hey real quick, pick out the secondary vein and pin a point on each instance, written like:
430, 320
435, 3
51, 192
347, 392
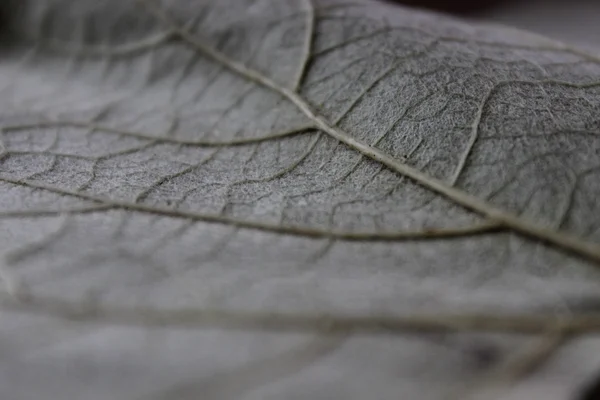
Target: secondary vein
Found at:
518, 224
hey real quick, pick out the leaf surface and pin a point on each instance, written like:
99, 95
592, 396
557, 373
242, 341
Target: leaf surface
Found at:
344, 200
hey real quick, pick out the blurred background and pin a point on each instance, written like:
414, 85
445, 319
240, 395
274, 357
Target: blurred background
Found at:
575, 21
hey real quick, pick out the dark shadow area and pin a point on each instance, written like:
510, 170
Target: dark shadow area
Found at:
9, 11
4, 20
592, 391
462, 7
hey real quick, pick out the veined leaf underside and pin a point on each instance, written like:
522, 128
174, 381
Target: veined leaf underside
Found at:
301, 162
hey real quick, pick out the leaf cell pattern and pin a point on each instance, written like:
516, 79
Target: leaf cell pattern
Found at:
382, 186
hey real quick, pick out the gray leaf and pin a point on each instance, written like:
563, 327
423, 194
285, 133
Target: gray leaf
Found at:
289, 200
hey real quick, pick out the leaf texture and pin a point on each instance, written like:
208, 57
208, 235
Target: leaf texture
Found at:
293, 199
